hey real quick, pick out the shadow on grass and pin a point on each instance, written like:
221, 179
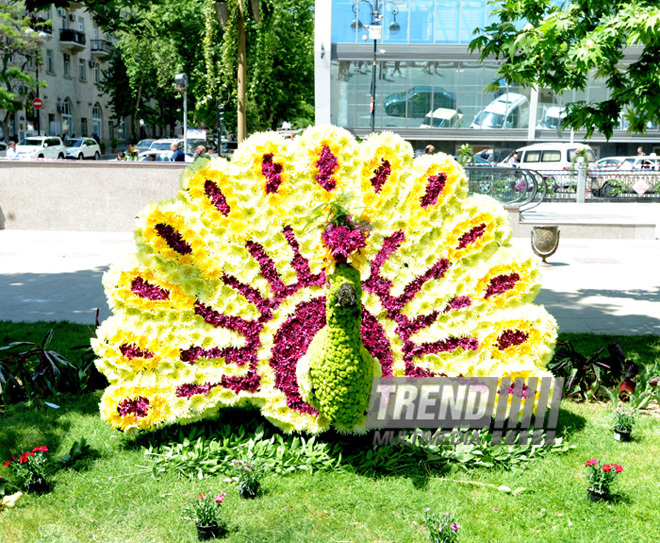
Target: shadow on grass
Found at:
569, 424
25, 426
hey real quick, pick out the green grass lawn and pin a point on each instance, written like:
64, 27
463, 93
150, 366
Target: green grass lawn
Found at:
113, 498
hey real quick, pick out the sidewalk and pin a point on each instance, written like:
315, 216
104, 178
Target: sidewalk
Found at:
593, 285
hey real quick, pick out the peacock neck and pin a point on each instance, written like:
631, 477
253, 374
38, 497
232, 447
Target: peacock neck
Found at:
344, 301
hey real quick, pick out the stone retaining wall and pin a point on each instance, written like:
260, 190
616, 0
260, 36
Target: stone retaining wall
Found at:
103, 196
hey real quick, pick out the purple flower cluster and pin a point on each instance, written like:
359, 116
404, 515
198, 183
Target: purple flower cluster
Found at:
247, 355
381, 287
376, 342
381, 175
442, 346
188, 390
327, 165
251, 294
269, 271
511, 337
130, 351
458, 302
193, 354
289, 346
342, 241
471, 236
273, 172
144, 289
300, 263
139, 407
218, 200
522, 393
501, 283
173, 238
433, 189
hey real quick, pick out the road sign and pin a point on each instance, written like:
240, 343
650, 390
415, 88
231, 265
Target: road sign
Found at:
37, 103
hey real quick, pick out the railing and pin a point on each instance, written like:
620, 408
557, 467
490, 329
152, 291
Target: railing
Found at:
619, 185
100, 46
509, 186
527, 188
73, 36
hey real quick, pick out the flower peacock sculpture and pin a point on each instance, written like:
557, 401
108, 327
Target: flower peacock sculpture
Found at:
291, 276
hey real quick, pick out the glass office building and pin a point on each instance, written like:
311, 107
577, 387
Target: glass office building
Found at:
429, 88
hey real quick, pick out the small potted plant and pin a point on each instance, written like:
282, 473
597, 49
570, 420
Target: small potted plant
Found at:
113, 145
442, 529
103, 147
248, 476
205, 511
624, 420
601, 477
31, 469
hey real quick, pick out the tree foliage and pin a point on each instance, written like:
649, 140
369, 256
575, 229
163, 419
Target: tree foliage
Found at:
17, 46
173, 36
280, 75
562, 47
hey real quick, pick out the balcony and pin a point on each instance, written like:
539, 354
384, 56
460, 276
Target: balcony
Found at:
71, 41
100, 48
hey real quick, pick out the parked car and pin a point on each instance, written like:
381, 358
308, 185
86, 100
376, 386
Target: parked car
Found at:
41, 147
3, 149
143, 145
553, 161
418, 101
159, 156
510, 110
164, 144
608, 164
642, 163
442, 118
82, 148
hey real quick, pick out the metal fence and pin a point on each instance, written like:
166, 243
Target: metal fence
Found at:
509, 186
524, 188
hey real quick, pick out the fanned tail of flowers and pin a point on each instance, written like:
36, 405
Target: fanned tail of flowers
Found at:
227, 288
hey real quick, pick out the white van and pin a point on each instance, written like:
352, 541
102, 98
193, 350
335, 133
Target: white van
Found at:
510, 110
553, 160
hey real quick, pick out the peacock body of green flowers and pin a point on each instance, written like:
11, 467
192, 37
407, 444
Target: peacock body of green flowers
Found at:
244, 291
341, 369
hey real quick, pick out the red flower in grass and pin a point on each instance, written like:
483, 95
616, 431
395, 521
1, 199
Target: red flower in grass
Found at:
618, 468
592, 462
607, 467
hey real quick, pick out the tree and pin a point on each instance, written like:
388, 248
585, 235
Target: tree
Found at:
110, 14
280, 80
161, 40
19, 44
562, 47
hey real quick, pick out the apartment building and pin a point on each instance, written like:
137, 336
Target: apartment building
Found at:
73, 57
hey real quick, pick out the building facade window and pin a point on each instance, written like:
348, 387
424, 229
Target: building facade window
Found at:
67, 65
50, 61
97, 73
97, 121
82, 70
67, 118
83, 127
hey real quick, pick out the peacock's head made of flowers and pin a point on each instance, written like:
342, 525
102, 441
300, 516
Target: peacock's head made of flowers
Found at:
293, 275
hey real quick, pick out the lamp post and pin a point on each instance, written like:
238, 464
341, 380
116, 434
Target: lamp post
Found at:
375, 33
181, 82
